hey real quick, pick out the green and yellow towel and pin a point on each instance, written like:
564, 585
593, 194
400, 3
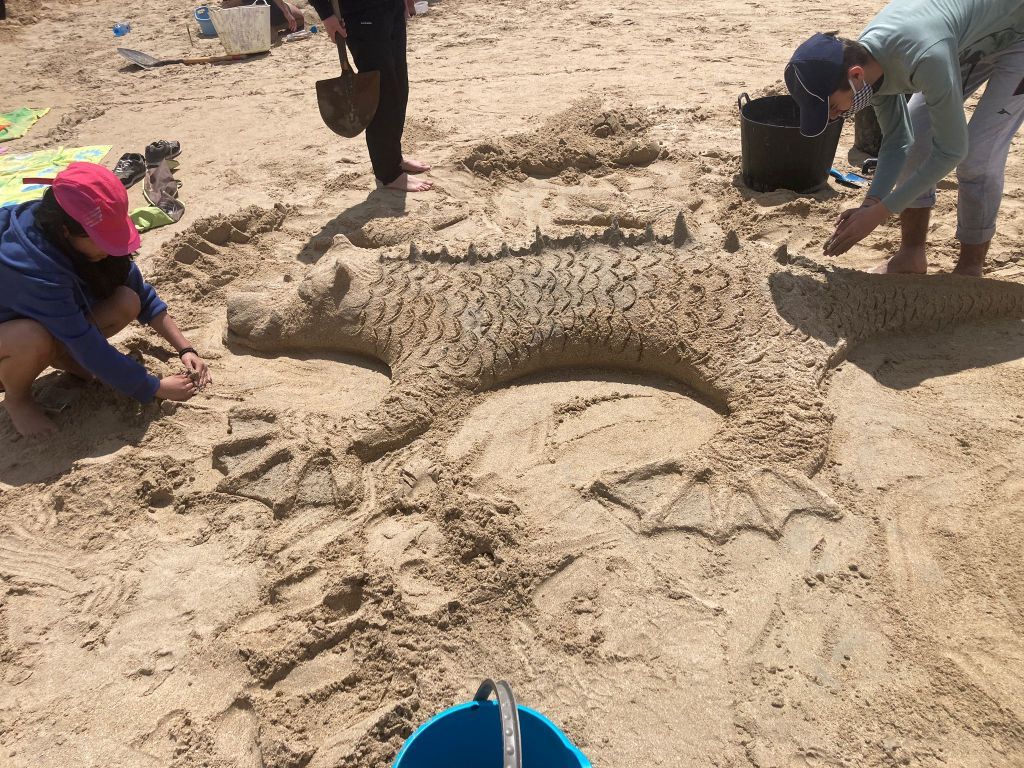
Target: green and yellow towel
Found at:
14, 125
46, 164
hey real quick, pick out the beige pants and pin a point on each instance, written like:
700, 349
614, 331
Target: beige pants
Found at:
996, 119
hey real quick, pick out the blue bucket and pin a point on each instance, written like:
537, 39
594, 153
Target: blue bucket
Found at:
202, 17
489, 734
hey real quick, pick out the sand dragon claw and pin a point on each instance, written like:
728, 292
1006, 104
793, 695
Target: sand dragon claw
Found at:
672, 495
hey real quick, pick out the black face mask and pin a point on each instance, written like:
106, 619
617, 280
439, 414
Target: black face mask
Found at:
103, 277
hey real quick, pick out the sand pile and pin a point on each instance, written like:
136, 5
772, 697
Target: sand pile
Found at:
216, 250
584, 138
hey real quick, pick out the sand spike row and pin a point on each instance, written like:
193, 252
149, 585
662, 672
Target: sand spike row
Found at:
538, 240
613, 235
680, 232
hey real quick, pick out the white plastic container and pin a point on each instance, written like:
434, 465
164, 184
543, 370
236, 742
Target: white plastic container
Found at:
245, 29
421, 7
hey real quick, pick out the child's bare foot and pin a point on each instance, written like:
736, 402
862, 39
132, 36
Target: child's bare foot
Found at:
412, 165
407, 183
908, 260
28, 418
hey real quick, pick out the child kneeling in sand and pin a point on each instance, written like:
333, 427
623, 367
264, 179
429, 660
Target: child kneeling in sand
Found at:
67, 284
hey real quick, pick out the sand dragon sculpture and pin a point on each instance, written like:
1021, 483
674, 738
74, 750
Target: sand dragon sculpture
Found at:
756, 334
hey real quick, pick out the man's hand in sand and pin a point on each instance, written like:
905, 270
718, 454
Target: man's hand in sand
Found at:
410, 8
335, 26
854, 225
179, 387
197, 369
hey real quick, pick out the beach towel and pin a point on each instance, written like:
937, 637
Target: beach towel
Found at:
46, 164
149, 217
14, 125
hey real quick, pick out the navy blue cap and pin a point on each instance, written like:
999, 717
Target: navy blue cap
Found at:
811, 76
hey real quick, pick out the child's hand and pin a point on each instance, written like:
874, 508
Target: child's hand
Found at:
197, 369
179, 387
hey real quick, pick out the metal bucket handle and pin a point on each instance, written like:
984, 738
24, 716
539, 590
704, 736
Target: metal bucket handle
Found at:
511, 741
740, 101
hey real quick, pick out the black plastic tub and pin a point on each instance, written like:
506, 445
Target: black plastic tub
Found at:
775, 155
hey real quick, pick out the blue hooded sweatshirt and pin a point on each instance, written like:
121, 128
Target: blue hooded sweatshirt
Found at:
38, 281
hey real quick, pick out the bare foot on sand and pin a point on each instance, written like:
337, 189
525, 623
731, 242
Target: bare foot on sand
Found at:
28, 418
407, 183
412, 165
969, 267
906, 261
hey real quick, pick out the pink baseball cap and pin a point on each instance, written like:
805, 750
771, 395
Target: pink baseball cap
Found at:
94, 197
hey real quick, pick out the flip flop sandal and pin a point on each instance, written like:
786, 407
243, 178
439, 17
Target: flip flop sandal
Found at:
162, 150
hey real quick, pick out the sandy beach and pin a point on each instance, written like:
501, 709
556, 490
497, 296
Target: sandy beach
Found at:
286, 571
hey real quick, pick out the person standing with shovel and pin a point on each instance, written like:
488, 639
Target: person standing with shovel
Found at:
375, 33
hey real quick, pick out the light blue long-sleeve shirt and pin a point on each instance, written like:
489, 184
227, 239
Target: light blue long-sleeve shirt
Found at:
926, 46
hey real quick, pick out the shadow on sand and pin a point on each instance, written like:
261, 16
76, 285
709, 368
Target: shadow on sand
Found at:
379, 204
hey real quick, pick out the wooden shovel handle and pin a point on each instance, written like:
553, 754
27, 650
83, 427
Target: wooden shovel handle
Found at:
215, 59
343, 55
342, 48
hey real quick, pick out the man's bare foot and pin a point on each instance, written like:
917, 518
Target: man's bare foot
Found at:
971, 264
28, 418
407, 183
969, 270
412, 165
906, 261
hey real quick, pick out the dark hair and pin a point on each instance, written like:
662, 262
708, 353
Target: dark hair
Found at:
854, 55
103, 277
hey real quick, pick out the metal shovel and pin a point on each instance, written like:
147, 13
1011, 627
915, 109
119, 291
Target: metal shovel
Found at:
349, 102
146, 61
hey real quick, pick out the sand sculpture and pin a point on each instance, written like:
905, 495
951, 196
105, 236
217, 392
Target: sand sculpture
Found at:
585, 138
755, 335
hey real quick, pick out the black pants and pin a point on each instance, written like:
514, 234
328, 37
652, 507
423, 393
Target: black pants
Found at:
376, 37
